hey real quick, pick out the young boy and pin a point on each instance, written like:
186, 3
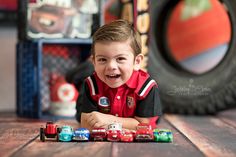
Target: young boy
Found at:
118, 91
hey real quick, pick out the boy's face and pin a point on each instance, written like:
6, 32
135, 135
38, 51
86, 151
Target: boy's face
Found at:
114, 62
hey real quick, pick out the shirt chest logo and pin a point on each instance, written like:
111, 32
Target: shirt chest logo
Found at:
130, 101
104, 104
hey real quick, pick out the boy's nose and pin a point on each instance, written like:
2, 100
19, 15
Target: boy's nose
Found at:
112, 65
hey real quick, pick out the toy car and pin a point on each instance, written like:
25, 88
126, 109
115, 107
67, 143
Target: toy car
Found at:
66, 133
144, 132
50, 131
114, 132
163, 135
98, 134
81, 134
127, 136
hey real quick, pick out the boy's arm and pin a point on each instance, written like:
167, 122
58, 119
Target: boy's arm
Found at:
97, 119
84, 123
149, 109
84, 105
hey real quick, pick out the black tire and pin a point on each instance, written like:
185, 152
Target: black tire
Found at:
58, 130
180, 91
57, 136
42, 135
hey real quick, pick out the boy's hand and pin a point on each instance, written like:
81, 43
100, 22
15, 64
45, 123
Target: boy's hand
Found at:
97, 119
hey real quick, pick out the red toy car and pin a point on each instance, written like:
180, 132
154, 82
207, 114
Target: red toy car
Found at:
114, 132
127, 136
51, 131
98, 134
144, 132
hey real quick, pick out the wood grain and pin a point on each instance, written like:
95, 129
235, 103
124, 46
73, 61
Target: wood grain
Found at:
52, 148
179, 148
229, 117
209, 134
193, 136
13, 136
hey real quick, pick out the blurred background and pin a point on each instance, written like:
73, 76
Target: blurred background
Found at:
8, 40
186, 41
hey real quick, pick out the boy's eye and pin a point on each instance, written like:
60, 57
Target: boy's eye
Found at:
121, 59
101, 60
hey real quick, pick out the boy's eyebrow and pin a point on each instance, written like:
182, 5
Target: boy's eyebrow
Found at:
99, 56
114, 56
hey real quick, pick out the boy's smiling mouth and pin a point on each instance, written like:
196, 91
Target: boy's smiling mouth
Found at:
113, 76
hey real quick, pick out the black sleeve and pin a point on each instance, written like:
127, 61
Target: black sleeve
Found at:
151, 105
84, 102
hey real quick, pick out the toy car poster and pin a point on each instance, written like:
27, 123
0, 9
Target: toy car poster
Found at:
62, 18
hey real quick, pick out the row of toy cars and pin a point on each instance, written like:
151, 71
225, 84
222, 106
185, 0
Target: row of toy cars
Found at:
114, 133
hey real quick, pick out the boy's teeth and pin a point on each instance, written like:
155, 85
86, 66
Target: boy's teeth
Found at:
113, 76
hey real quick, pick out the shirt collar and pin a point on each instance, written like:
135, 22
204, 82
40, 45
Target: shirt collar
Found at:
132, 82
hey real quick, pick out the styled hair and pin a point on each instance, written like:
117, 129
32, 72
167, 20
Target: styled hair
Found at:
118, 31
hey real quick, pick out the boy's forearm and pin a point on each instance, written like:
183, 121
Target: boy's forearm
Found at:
127, 123
97, 119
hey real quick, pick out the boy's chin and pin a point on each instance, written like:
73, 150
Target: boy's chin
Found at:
115, 85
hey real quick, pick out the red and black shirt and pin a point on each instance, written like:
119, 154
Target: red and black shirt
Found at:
139, 96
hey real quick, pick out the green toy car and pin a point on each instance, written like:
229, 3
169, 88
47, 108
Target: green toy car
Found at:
163, 135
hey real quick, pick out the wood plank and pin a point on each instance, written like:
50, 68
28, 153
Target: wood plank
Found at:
229, 117
14, 136
62, 149
51, 147
209, 134
179, 148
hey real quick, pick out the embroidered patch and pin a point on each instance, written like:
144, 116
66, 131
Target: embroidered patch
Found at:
130, 101
104, 104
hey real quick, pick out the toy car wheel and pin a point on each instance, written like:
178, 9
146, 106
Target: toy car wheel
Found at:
58, 132
42, 135
57, 136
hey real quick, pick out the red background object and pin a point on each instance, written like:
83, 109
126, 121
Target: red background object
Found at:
195, 35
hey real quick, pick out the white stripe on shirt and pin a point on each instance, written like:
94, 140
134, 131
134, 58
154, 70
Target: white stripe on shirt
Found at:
92, 86
147, 86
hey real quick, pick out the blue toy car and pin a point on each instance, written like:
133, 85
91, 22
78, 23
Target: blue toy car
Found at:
66, 134
81, 134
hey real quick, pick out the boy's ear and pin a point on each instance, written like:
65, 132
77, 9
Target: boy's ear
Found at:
138, 61
92, 59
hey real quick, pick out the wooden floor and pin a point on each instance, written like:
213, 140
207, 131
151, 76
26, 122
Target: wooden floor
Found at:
193, 136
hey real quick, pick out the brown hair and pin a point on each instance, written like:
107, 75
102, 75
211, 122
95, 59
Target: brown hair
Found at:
118, 30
